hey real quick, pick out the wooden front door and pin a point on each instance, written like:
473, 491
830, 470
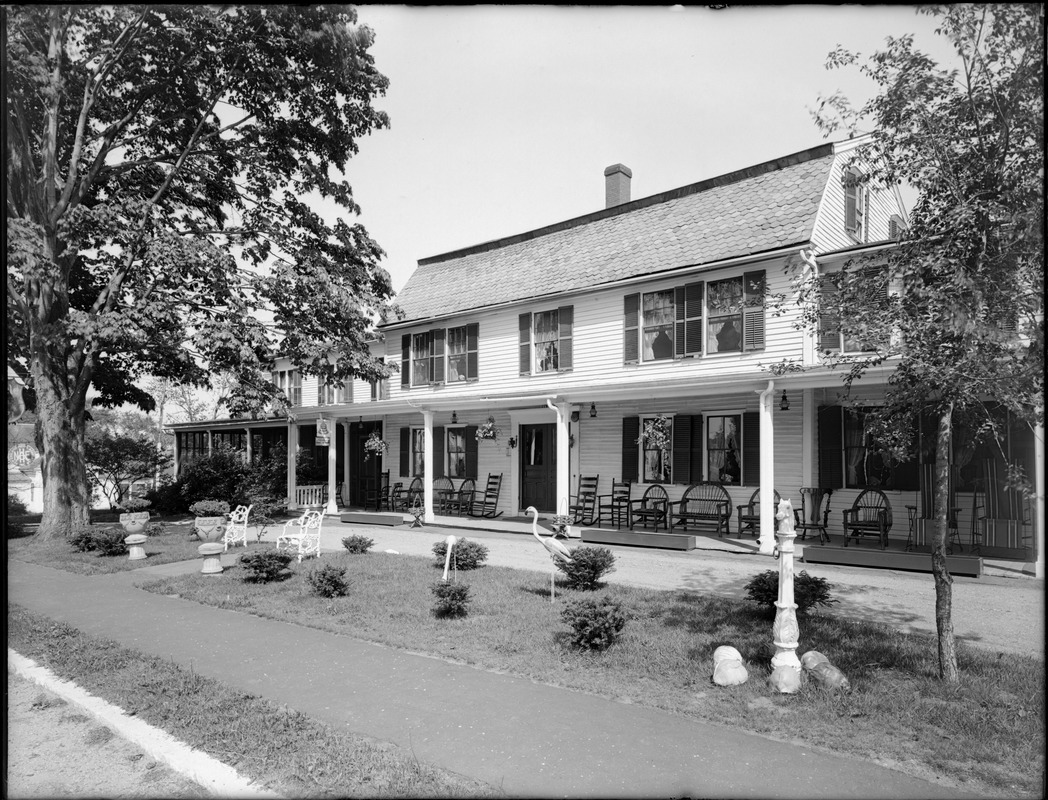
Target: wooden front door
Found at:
538, 467
363, 472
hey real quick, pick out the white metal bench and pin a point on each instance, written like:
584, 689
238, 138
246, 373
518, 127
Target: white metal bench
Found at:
236, 528
302, 534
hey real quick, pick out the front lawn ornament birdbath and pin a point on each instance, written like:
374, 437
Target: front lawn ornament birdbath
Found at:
136, 546
786, 667
211, 553
557, 551
447, 556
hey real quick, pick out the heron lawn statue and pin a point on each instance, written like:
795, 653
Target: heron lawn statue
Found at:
447, 557
557, 551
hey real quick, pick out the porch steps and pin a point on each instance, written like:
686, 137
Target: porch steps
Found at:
371, 518
669, 541
889, 559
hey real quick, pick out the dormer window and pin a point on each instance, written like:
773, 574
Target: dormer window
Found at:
856, 197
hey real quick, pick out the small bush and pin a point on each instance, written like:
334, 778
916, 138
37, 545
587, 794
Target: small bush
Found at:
132, 505
452, 599
209, 508
357, 544
167, 499
588, 565
264, 566
83, 540
329, 581
808, 592
154, 529
464, 555
16, 529
110, 541
595, 624
15, 506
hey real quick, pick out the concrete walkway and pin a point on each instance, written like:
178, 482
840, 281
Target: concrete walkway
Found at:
524, 738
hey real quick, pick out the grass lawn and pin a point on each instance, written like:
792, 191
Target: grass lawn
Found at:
987, 733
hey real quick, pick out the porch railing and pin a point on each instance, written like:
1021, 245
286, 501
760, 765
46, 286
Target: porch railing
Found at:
311, 495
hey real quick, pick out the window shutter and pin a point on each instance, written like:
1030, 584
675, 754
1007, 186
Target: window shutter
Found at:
405, 361
405, 452
831, 447
753, 315
693, 302
631, 333
471, 451
829, 327
630, 448
472, 346
851, 203
436, 355
678, 337
566, 317
751, 449
682, 449
524, 326
438, 452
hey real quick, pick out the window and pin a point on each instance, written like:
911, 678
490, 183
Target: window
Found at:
546, 341
333, 395
831, 337
723, 452
379, 388
855, 200
850, 457
656, 463
418, 452
289, 381
736, 314
462, 345
421, 360
428, 356
456, 452
657, 317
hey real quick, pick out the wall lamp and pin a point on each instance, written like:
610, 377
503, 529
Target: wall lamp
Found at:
784, 403
593, 410
454, 418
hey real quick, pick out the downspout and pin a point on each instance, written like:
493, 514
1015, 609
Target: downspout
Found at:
767, 504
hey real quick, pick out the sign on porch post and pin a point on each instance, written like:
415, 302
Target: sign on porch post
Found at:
323, 436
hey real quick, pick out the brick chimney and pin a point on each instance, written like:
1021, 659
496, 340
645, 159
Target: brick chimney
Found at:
617, 185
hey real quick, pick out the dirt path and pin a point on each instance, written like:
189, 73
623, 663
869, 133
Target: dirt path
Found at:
56, 750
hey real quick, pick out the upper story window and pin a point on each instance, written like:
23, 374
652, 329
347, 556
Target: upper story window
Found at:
546, 341
856, 199
379, 388
289, 381
673, 323
831, 337
333, 395
440, 355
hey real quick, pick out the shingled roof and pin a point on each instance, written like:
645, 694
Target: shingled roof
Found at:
755, 210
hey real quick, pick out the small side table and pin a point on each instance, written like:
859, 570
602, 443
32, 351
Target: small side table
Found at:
135, 546
211, 553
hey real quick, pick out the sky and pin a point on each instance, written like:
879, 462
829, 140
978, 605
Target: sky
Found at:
503, 118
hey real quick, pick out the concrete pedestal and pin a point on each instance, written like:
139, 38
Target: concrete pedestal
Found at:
211, 553
135, 546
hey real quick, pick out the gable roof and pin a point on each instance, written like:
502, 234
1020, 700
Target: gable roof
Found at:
751, 211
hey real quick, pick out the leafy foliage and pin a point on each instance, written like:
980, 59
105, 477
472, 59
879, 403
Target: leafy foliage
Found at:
132, 505
264, 566
357, 544
116, 460
588, 565
222, 473
209, 508
808, 592
328, 581
465, 554
105, 541
595, 624
452, 599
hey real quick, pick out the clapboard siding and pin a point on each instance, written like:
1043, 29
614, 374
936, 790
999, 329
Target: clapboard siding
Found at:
829, 233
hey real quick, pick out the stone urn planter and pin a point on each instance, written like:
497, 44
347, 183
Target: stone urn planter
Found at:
211, 518
134, 523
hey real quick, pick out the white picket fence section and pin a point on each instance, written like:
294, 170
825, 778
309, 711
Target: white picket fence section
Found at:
310, 495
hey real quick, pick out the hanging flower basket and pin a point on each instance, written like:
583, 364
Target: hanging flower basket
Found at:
656, 434
375, 445
488, 431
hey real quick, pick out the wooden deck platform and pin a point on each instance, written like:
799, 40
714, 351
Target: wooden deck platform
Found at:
912, 561
371, 518
670, 541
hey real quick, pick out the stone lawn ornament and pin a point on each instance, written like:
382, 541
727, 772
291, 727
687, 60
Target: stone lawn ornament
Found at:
786, 667
447, 557
825, 674
134, 522
211, 552
728, 669
136, 550
557, 551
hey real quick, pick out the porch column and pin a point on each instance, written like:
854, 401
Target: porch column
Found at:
809, 435
345, 461
250, 460
767, 534
209, 440
1038, 500
427, 465
177, 452
292, 457
332, 506
563, 411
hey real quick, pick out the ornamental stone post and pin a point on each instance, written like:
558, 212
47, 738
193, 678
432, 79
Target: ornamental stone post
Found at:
786, 667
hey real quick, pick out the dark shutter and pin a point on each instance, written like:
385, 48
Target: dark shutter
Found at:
566, 321
631, 332
471, 451
524, 326
630, 448
436, 355
438, 452
751, 449
831, 447
405, 361
405, 452
829, 324
753, 314
851, 202
678, 340
472, 346
693, 297
697, 433
682, 445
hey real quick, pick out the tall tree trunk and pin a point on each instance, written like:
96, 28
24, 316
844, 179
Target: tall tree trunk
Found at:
943, 580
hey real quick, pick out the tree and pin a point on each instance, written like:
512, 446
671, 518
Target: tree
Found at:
116, 460
958, 308
162, 166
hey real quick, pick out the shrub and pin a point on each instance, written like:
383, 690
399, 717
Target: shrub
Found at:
329, 581
357, 544
16, 529
131, 505
220, 474
264, 510
595, 624
452, 599
264, 566
808, 592
83, 540
209, 508
154, 529
15, 506
588, 565
168, 499
464, 555
110, 541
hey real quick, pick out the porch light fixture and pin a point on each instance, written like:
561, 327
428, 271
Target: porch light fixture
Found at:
784, 403
454, 418
512, 442
593, 410
575, 416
